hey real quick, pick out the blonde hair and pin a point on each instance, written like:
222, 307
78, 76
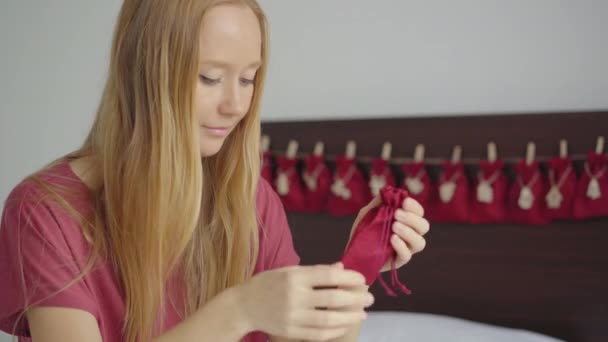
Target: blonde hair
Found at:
162, 212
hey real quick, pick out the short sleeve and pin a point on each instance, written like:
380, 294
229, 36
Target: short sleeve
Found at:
276, 243
39, 256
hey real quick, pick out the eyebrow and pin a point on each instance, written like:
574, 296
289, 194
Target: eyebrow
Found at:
225, 65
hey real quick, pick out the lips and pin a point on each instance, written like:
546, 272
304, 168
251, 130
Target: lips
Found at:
218, 130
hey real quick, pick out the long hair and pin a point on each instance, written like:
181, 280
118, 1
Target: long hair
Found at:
162, 212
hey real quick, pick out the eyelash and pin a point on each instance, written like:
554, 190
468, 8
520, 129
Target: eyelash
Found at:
212, 82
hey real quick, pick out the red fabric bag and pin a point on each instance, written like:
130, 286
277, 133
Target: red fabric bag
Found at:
370, 247
489, 195
349, 191
452, 198
592, 190
380, 176
267, 173
526, 196
418, 184
317, 180
288, 184
559, 198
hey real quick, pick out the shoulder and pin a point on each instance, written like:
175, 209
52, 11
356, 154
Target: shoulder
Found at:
37, 205
269, 208
276, 245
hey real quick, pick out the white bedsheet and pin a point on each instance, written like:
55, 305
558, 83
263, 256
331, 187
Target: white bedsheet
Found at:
407, 326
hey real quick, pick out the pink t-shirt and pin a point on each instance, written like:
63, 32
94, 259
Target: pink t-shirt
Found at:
42, 248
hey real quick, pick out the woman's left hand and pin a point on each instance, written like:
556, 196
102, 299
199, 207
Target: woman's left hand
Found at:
409, 229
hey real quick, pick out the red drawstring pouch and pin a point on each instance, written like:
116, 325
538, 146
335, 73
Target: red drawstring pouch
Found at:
526, 195
380, 176
317, 180
559, 198
592, 190
288, 184
349, 191
452, 200
370, 247
267, 168
418, 184
489, 195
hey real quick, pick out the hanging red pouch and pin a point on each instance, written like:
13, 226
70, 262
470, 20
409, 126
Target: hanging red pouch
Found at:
380, 176
370, 248
489, 195
349, 191
418, 184
526, 202
452, 198
317, 181
267, 168
592, 189
559, 198
288, 184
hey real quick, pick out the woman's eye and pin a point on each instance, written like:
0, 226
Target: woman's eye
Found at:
246, 81
208, 80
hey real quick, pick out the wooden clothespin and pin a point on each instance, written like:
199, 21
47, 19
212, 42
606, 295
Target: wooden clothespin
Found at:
492, 152
387, 150
599, 146
351, 149
319, 149
457, 154
419, 153
530, 153
563, 148
265, 143
292, 149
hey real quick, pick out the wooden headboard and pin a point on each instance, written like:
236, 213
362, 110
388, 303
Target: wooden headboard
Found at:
550, 279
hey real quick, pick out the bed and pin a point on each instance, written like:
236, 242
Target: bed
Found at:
391, 326
477, 282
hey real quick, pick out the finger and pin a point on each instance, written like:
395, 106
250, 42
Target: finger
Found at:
411, 205
414, 241
313, 334
418, 223
340, 298
322, 275
404, 255
328, 319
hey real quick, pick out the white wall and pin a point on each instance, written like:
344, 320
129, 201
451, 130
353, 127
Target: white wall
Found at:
330, 59
375, 58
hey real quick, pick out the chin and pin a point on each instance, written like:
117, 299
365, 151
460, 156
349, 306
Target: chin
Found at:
210, 148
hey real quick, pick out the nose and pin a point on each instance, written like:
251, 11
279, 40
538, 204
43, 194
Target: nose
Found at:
233, 101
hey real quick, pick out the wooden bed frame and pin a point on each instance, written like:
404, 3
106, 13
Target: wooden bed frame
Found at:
549, 279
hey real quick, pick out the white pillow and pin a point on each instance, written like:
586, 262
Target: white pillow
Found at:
383, 326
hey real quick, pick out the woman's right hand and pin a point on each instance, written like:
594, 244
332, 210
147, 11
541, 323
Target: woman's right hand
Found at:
315, 303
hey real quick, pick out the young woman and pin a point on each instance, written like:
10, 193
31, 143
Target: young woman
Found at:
159, 228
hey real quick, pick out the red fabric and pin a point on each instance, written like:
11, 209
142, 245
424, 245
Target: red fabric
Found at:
494, 211
316, 198
42, 249
584, 206
267, 173
562, 170
455, 209
535, 214
425, 196
356, 185
370, 247
380, 167
293, 200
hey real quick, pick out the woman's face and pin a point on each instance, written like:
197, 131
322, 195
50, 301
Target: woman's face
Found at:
230, 55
